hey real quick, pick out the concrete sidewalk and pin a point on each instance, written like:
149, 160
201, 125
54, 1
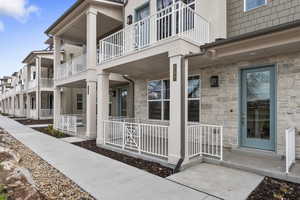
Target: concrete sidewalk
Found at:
102, 177
230, 184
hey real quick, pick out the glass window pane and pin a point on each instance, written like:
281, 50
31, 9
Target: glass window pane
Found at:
258, 104
155, 110
194, 87
251, 4
154, 90
193, 111
166, 110
166, 89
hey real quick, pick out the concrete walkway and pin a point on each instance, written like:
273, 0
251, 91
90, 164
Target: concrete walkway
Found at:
230, 184
102, 177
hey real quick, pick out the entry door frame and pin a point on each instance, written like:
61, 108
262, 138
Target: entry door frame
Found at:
274, 116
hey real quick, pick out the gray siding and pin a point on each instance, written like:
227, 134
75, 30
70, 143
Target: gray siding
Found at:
275, 13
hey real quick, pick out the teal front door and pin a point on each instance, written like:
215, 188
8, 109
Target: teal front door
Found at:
258, 108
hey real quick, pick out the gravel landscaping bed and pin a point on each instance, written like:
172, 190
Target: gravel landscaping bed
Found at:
274, 189
49, 182
152, 167
34, 122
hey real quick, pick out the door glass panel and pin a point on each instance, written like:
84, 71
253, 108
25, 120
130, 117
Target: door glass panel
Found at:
123, 102
258, 105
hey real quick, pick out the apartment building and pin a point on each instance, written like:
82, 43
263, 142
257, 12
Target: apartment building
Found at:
178, 79
30, 93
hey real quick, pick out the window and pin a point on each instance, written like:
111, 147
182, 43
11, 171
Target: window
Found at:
79, 99
159, 99
194, 99
251, 4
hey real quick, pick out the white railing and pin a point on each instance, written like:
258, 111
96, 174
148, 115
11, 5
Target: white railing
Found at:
32, 113
205, 140
47, 82
32, 84
70, 124
290, 148
176, 20
46, 113
149, 139
71, 68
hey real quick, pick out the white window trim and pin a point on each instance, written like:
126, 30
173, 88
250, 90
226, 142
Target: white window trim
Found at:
245, 6
162, 100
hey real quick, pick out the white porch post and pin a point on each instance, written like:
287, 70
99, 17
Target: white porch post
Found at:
91, 45
21, 101
57, 106
91, 113
28, 105
56, 92
175, 128
38, 93
103, 104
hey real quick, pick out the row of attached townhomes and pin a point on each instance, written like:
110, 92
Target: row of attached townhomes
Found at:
169, 80
28, 93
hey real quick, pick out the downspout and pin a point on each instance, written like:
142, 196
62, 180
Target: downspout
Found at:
133, 94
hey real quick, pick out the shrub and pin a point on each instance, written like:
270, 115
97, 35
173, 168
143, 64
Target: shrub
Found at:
54, 132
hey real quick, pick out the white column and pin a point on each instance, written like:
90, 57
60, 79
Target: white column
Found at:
91, 83
56, 106
28, 105
91, 113
38, 62
103, 104
57, 55
21, 99
91, 38
176, 109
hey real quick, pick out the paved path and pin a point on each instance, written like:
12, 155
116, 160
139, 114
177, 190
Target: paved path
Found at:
73, 139
230, 184
102, 177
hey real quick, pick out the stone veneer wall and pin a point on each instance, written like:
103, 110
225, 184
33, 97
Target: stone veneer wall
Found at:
275, 13
221, 105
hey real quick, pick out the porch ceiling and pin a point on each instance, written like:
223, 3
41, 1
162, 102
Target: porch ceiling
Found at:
77, 31
77, 84
148, 68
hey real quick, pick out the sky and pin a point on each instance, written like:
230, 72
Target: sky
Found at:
22, 27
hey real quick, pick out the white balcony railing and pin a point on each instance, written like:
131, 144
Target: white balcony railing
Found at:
47, 82
176, 20
290, 148
205, 140
71, 68
32, 84
143, 138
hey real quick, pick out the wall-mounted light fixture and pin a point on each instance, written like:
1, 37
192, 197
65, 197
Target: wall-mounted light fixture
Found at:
214, 81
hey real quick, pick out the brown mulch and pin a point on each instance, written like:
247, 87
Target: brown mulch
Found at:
274, 189
35, 122
151, 167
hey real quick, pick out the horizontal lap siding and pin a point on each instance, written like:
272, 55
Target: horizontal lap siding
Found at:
275, 13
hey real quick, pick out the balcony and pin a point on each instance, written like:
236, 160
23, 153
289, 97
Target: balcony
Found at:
178, 20
71, 68
46, 83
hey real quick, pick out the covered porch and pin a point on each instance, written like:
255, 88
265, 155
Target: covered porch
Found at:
165, 123
72, 107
